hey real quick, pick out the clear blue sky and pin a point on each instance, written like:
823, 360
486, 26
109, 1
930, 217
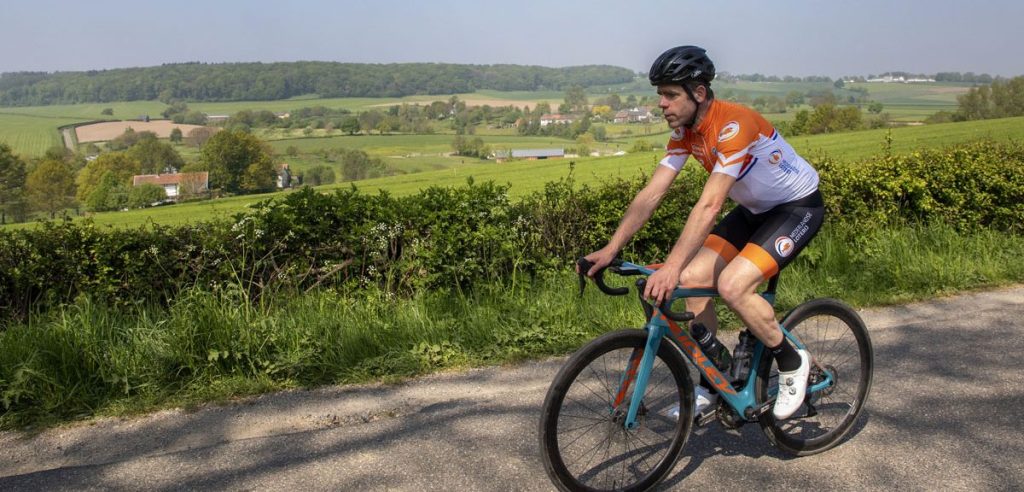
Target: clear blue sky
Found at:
779, 38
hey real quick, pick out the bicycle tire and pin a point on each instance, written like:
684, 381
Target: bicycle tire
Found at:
579, 417
838, 340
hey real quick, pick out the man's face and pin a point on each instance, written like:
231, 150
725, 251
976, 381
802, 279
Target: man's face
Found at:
676, 105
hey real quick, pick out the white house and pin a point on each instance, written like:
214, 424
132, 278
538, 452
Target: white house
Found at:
555, 119
176, 184
635, 115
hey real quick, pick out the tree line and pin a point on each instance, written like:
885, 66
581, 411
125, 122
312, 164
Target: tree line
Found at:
272, 81
1000, 99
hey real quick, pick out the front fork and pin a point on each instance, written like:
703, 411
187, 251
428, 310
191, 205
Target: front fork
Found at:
640, 364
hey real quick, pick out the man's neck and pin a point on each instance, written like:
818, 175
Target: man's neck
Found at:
702, 110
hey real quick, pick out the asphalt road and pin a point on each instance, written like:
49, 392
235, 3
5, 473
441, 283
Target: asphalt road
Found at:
944, 414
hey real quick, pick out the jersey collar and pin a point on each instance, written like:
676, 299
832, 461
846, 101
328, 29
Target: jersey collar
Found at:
707, 123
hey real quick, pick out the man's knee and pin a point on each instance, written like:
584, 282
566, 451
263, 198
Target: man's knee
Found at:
699, 273
734, 287
692, 277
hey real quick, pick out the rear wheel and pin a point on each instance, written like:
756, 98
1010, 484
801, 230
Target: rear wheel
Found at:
584, 442
838, 343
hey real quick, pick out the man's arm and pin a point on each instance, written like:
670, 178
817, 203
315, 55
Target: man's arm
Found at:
698, 226
639, 211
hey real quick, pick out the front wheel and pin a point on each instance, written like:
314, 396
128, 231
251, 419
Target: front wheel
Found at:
584, 442
838, 343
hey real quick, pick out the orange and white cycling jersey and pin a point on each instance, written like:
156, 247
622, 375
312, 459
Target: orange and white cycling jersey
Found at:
737, 141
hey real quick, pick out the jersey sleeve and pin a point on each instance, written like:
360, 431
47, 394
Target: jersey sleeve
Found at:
676, 152
735, 140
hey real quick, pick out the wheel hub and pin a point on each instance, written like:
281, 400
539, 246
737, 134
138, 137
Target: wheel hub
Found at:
819, 376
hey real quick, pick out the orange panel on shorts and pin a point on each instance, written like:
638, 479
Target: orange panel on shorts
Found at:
761, 259
719, 245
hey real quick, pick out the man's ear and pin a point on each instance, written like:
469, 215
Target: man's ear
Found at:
701, 93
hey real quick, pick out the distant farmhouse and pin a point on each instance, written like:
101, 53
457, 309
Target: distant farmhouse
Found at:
529, 154
900, 79
555, 119
176, 185
216, 118
635, 115
284, 176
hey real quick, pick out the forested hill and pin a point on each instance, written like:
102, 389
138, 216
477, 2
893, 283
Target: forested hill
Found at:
269, 81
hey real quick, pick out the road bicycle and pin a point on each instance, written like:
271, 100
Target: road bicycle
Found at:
620, 410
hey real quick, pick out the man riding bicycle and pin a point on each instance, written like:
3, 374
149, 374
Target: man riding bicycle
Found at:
779, 209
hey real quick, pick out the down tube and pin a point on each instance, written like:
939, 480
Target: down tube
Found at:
654, 334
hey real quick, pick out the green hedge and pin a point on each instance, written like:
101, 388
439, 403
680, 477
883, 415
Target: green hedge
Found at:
453, 238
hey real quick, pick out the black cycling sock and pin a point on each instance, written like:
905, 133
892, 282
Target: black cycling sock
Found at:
786, 356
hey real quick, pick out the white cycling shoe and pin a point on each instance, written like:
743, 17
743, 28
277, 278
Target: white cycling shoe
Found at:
703, 401
792, 388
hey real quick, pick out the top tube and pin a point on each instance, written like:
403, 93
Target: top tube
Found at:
679, 292
683, 292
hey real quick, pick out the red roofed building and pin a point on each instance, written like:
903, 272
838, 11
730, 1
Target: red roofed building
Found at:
555, 119
175, 185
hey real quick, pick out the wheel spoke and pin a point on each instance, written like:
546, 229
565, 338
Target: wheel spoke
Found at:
590, 437
838, 342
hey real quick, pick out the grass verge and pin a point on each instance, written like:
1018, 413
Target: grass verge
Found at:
86, 359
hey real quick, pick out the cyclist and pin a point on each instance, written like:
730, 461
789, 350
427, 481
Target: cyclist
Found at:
779, 209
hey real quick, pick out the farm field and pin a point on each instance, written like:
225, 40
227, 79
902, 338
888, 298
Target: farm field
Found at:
528, 176
853, 146
415, 153
109, 130
31, 130
31, 136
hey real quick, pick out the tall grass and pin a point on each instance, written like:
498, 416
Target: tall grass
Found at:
87, 359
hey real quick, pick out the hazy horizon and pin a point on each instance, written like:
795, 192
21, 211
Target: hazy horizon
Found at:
798, 38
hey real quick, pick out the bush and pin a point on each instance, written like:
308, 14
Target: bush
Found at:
457, 238
318, 175
145, 195
971, 186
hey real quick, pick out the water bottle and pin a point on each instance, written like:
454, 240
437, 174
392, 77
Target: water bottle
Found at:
712, 348
741, 357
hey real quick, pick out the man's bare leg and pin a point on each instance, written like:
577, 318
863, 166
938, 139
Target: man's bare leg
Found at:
702, 272
737, 284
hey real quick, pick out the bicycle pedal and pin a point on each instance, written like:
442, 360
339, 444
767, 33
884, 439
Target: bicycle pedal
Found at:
705, 419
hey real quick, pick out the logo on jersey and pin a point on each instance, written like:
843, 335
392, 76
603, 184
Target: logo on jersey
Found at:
784, 246
730, 130
775, 157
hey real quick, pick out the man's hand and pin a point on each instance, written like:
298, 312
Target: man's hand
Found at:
600, 258
661, 283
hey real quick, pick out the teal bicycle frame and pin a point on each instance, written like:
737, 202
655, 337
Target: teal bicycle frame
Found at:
659, 326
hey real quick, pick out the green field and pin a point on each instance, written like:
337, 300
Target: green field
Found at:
530, 176
31, 135
527, 177
30, 130
134, 109
415, 153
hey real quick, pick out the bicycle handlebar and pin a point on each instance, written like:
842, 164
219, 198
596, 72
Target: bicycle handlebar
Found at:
584, 265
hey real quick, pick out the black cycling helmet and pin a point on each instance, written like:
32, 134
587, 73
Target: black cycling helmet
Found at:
682, 64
